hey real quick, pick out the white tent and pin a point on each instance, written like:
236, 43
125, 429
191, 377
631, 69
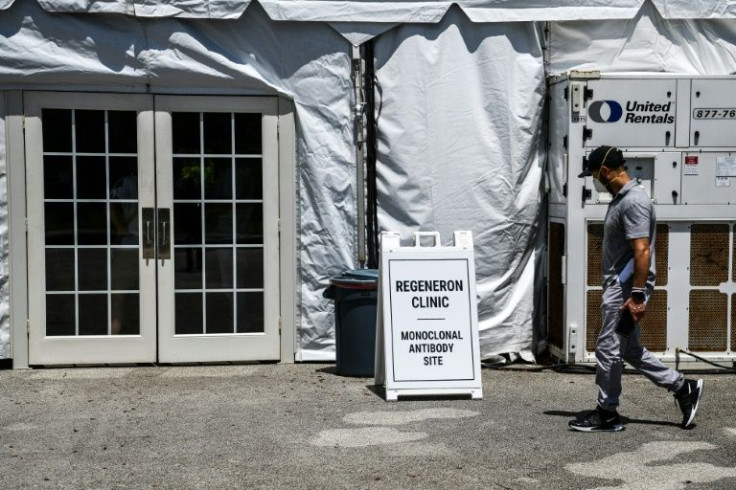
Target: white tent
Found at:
459, 111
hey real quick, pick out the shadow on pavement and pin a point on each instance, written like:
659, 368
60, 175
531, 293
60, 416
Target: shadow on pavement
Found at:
328, 370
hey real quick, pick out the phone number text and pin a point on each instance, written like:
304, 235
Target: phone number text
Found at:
722, 113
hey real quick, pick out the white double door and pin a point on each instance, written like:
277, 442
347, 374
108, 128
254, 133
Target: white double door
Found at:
152, 228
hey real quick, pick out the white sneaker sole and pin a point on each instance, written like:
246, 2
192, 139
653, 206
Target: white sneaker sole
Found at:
615, 428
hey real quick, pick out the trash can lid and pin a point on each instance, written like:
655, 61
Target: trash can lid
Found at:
364, 274
357, 279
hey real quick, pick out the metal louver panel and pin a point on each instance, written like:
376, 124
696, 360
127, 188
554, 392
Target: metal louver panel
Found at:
595, 254
709, 254
556, 315
707, 321
661, 252
653, 326
654, 323
593, 319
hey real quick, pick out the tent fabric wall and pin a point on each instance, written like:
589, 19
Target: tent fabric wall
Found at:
459, 116
689, 9
646, 43
459, 112
391, 11
397, 11
250, 55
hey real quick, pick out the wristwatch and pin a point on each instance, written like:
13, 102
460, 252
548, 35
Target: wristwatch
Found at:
638, 295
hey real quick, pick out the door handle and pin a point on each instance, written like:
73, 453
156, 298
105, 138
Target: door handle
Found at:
149, 245
164, 232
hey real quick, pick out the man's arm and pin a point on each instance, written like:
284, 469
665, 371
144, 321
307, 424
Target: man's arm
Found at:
641, 273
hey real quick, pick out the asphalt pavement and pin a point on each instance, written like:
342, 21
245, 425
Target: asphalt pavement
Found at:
303, 426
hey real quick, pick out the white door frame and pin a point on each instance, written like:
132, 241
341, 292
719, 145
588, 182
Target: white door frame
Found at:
17, 221
174, 348
17, 243
86, 349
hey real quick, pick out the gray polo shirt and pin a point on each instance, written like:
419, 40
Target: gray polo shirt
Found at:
630, 215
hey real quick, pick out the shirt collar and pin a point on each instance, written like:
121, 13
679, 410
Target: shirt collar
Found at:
626, 188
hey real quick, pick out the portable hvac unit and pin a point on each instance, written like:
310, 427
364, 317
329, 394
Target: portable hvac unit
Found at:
678, 135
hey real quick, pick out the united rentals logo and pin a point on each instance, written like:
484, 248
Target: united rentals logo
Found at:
610, 111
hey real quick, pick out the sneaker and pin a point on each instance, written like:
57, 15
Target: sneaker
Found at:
598, 420
688, 398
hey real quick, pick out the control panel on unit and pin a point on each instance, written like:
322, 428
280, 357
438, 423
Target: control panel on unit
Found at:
658, 173
707, 178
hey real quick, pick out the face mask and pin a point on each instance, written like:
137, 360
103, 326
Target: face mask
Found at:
599, 188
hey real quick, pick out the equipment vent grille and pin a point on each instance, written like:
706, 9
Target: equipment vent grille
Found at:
708, 325
595, 254
661, 253
709, 254
654, 323
653, 326
556, 290
593, 319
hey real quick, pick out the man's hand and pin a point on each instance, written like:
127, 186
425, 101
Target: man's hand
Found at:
636, 308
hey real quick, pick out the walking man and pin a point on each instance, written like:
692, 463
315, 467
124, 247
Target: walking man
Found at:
628, 282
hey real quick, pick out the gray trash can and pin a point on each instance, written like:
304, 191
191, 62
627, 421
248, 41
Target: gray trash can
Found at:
356, 294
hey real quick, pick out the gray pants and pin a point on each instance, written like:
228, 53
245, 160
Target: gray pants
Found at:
612, 350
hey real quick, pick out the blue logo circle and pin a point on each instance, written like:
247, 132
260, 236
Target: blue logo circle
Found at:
596, 112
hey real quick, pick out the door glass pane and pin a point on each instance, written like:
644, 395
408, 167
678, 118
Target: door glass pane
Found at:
60, 316
123, 178
89, 131
220, 313
248, 134
248, 178
124, 223
219, 268
218, 178
218, 223
122, 139
250, 312
92, 269
92, 314
188, 272
91, 178
59, 223
125, 314
217, 133
57, 130
188, 313
250, 268
90, 194
185, 132
250, 223
59, 269
91, 223
58, 173
124, 269
187, 224
187, 184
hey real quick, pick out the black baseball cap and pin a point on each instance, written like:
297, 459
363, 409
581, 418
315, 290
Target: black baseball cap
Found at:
610, 156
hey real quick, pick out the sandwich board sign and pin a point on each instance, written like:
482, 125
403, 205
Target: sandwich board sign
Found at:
427, 318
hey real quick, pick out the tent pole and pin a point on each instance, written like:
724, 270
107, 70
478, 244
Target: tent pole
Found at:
358, 114
370, 152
